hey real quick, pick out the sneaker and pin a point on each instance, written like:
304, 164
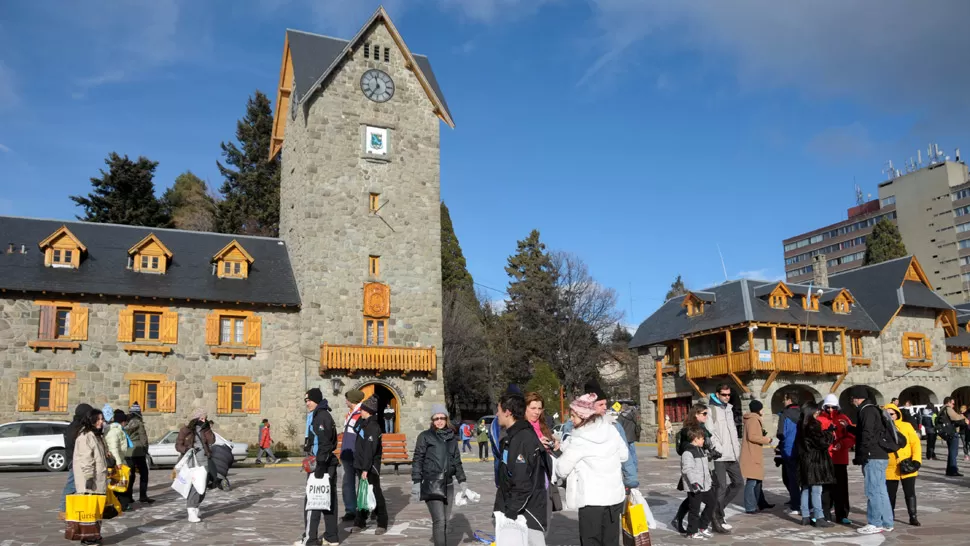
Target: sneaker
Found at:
870, 530
806, 521
707, 532
794, 512
823, 523
380, 531
349, 516
726, 526
696, 536
846, 521
887, 529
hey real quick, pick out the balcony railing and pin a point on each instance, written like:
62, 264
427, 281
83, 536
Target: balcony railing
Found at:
742, 362
377, 359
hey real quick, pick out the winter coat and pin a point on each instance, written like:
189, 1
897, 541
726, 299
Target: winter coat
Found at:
815, 466
683, 442
139, 436
349, 434
694, 469
187, 440
839, 424
321, 440
70, 433
482, 433
521, 476
264, 439
116, 442
367, 447
929, 426
436, 453
631, 473
868, 433
913, 449
791, 413
90, 467
724, 432
752, 452
631, 428
590, 463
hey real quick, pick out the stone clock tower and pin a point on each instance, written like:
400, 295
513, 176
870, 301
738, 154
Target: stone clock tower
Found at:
357, 124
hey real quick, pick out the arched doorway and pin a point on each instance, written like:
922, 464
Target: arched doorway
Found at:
918, 396
800, 395
962, 397
851, 411
386, 397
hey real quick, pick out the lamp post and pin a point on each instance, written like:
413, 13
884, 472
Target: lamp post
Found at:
336, 384
658, 352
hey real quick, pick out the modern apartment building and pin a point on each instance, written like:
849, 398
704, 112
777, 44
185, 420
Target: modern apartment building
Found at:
931, 207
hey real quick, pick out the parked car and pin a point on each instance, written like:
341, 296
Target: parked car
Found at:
34, 443
162, 452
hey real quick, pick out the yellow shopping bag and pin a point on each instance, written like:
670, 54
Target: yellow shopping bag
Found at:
85, 508
111, 501
635, 529
118, 478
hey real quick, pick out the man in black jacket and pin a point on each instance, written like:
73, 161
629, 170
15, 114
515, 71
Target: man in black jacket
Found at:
367, 462
321, 441
70, 437
521, 474
874, 461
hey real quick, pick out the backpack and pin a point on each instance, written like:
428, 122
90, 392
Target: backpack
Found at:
944, 426
889, 439
790, 432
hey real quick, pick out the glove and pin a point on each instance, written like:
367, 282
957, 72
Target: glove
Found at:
415, 493
462, 487
89, 484
511, 516
320, 471
308, 446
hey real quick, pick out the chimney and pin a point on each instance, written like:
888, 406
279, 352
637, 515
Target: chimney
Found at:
23, 249
820, 271
10, 248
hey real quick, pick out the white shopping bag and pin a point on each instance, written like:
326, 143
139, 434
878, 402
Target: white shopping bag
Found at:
637, 498
465, 496
318, 493
189, 477
371, 499
510, 532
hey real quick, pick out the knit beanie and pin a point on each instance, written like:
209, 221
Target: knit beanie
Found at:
439, 409
370, 405
135, 408
108, 413
355, 396
858, 392
315, 395
756, 406
584, 406
199, 413
120, 417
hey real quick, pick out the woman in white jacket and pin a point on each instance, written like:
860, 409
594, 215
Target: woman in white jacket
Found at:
590, 462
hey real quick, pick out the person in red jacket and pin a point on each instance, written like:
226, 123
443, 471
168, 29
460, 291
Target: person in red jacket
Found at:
837, 494
265, 443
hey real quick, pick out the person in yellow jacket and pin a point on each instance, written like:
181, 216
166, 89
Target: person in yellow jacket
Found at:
909, 455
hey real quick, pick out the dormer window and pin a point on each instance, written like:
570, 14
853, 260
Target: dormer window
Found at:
62, 249
779, 301
695, 302
232, 262
810, 303
777, 295
150, 256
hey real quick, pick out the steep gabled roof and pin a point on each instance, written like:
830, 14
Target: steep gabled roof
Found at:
62, 231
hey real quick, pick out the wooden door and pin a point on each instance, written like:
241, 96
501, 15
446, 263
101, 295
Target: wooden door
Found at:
368, 391
397, 412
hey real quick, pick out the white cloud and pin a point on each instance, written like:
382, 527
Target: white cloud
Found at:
764, 274
843, 143
491, 11
5, 149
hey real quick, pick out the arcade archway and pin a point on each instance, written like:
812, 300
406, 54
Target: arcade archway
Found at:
918, 396
386, 398
962, 397
800, 395
851, 411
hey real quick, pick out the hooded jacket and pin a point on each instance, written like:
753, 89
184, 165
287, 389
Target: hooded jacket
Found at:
264, 438
70, 433
912, 450
116, 442
139, 436
724, 432
631, 473
521, 476
752, 450
367, 446
791, 413
814, 463
321, 440
867, 434
695, 470
839, 423
590, 463
90, 468
435, 453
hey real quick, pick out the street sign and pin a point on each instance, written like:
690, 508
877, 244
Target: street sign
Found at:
617, 406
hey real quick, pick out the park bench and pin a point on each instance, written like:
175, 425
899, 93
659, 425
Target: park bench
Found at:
394, 450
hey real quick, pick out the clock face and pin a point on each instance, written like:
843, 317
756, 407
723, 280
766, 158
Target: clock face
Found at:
377, 85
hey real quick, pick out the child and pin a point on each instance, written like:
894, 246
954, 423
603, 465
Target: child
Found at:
697, 480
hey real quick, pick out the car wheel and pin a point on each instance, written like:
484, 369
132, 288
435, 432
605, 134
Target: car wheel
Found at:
150, 462
55, 460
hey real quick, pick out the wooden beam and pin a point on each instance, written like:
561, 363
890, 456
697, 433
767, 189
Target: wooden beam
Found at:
696, 388
774, 344
686, 350
835, 387
801, 358
844, 355
769, 381
737, 380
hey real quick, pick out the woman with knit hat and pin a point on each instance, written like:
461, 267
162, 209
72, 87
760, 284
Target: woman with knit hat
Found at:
591, 464
837, 495
196, 436
436, 464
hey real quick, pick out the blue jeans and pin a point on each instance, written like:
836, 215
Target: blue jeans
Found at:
878, 510
69, 489
753, 495
952, 452
348, 488
789, 468
816, 491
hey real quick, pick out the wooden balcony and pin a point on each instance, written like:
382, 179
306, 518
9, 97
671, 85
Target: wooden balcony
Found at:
377, 359
743, 362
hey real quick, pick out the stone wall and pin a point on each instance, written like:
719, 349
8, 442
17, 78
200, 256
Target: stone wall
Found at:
100, 366
330, 233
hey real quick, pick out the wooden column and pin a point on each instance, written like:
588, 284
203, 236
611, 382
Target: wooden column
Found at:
661, 432
751, 351
774, 345
798, 341
821, 350
727, 333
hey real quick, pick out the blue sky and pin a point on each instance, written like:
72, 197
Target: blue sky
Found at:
641, 135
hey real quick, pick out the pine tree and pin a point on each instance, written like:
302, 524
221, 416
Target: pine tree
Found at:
620, 335
189, 204
532, 305
677, 288
884, 243
124, 195
251, 191
454, 269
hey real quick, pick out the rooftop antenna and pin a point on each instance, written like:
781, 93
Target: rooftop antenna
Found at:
890, 171
858, 195
910, 165
957, 154
919, 158
723, 267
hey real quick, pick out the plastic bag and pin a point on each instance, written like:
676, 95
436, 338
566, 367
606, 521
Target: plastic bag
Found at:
465, 496
510, 532
318, 493
118, 478
637, 498
366, 500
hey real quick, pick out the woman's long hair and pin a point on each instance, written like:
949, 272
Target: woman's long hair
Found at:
89, 421
543, 426
691, 420
808, 413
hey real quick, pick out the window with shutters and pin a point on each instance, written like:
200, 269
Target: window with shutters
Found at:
232, 261
149, 255
62, 249
916, 347
60, 326
150, 328
154, 392
237, 394
44, 390
233, 332
147, 326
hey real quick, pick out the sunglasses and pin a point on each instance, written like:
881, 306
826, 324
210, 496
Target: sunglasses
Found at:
439, 418
702, 413
727, 394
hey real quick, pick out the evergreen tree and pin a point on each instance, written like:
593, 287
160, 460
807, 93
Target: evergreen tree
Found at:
251, 191
545, 382
454, 270
189, 204
620, 335
532, 306
884, 243
124, 195
677, 288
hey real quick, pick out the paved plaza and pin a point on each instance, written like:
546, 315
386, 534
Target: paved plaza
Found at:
264, 508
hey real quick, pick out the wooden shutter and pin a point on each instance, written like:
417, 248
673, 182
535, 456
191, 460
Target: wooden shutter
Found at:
59, 394
169, 328
251, 397
126, 325
79, 323
929, 348
254, 331
212, 329
136, 392
48, 322
166, 397
224, 397
26, 391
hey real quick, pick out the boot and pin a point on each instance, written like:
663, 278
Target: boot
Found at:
911, 508
193, 515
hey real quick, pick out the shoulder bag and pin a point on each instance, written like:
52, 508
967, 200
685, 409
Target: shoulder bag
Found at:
433, 488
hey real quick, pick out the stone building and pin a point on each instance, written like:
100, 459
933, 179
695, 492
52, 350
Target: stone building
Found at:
881, 326
348, 296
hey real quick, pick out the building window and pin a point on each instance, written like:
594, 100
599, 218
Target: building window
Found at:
374, 265
916, 347
677, 408
62, 321
147, 326
375, 331
43, 391
154, 392
367, 51
856, 342
885, 202
148, 323
964, 243
810, 303
237, 397
387, 54
962, 194
43, 399
374, 201
236, 394
151, 396
779, 301
232, 330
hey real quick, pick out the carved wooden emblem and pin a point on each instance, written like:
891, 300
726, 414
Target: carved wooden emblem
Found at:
377, 300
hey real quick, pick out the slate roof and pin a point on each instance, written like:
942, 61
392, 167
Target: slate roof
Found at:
314, 55
104, 270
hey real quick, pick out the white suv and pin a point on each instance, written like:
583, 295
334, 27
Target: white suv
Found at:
34, 443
